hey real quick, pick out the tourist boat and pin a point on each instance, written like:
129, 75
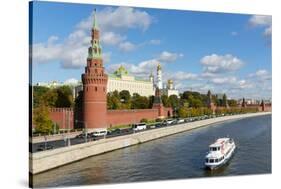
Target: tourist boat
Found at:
219, 153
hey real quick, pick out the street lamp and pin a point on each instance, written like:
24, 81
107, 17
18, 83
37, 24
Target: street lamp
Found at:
85, 129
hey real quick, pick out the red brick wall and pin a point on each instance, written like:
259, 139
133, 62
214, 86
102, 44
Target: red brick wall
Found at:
63, 117
119, 117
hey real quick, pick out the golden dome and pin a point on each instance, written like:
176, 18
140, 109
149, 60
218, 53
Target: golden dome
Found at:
158, 67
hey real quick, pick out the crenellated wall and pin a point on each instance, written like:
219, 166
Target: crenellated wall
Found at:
63, 117
120, 117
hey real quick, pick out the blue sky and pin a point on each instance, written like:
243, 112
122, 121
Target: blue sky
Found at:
226, 53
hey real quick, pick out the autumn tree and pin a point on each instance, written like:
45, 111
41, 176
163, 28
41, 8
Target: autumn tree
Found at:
43, 124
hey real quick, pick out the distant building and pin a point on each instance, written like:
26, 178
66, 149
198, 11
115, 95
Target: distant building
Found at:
122, 80
170, 89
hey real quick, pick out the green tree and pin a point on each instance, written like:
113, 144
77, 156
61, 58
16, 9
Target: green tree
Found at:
196, 103
224, 100
64, 97
165, 101
38, 93
183, 112
174, 101
125, 96
139, 102
232, 103
43, 124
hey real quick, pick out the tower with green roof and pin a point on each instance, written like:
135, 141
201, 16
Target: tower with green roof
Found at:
94, 84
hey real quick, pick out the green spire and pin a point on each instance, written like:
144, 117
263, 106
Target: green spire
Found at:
95, 24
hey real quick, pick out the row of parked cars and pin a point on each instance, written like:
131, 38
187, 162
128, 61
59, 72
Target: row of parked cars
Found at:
100, 133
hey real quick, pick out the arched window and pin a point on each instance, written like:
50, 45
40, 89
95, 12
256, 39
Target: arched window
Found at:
96, 88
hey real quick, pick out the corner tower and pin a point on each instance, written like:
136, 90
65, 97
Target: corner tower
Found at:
94, 84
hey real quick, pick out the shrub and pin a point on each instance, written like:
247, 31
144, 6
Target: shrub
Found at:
144, 120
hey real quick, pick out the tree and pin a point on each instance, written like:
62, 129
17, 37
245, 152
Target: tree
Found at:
224, 100
125, 96
64, 97
196, 103
174, 101
43, 124
183, 112
38, 92
165, 101
139, 102
232, 103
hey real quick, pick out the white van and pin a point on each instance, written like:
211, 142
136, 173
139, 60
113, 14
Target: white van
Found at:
100, 132
139, 126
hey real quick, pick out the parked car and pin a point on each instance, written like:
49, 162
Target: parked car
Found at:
168, 121
99, 132
180, 121
44, 147
152, 126
114, 132
139, 126
157, 125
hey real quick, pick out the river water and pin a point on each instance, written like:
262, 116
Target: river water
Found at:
174, 157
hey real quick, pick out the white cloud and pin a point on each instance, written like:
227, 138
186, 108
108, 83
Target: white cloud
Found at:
71, 81
155, 42
166, 56
268, 31
127, 46
182, 76
262, 21
261, 75
111, 38
144, 68
220, 63
71, 52
121, 18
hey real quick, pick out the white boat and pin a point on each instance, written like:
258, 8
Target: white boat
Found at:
219, 153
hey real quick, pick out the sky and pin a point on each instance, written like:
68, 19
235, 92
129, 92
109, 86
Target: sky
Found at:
200, 51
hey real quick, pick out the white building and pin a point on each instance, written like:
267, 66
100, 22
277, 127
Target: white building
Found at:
121, 80
170, 89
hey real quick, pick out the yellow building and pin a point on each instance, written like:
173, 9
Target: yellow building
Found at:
122, 80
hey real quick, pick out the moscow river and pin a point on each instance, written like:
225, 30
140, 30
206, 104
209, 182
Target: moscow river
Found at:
174, 157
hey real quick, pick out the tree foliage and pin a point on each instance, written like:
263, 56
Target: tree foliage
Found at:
53, 97
43, 124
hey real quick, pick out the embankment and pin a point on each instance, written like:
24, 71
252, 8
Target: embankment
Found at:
43, 161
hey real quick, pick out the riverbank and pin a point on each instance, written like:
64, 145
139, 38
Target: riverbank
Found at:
43, 161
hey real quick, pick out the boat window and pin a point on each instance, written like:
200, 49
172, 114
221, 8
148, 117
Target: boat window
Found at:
206, 160
218, 148
211, 160
216, 160
213, 149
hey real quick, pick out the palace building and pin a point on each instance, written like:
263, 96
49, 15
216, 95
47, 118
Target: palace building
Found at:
122, 80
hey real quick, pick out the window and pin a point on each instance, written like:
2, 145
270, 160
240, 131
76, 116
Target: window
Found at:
211, 160
216, 160
206, 160
96, 88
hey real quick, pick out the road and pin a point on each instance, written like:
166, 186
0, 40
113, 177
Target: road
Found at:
36, 147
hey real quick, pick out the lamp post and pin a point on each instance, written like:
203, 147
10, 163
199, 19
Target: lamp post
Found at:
85, 129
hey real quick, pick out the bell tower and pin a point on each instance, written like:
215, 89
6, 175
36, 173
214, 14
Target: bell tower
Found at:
94, 84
